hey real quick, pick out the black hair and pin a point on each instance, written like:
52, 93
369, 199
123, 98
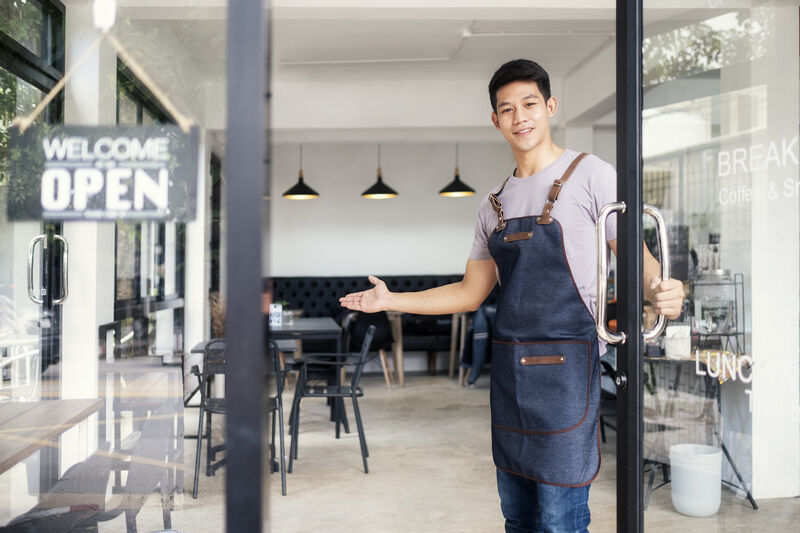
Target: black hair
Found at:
519, 70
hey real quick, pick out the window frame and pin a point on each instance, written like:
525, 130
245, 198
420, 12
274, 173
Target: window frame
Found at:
140, 306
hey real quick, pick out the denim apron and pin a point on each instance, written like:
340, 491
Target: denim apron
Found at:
545, 384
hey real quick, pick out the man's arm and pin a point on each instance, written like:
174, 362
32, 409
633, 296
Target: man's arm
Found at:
465, 295
665, 295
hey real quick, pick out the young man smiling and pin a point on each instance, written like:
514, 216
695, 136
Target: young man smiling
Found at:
535, 234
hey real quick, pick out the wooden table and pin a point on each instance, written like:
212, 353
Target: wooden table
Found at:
27, 426
459, 323
396, 321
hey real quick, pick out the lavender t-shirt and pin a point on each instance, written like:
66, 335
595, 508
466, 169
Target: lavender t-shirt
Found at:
592, 185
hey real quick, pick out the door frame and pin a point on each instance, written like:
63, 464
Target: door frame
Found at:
246, 170
630, 510
247, 147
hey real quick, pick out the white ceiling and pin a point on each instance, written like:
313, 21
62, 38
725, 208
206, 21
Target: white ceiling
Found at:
404, 41
347, 41
439, 38
424, 48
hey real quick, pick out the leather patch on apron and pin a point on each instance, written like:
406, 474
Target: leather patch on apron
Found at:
543, 360
521, 236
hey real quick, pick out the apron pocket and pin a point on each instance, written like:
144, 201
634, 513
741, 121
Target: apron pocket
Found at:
540, 387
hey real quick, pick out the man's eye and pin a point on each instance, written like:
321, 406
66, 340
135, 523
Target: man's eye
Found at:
506, 110
531, 104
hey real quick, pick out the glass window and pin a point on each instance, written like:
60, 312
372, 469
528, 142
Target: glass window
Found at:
720, 149
126, 108
148, 118
23, 21
17, 98
126, 255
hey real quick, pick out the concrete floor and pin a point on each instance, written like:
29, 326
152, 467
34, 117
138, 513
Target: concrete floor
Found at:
430, 471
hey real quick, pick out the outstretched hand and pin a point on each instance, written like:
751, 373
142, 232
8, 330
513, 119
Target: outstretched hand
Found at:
369, 301
668, 296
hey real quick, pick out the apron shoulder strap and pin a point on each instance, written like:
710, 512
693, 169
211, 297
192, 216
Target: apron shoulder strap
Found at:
494, 199
545, 217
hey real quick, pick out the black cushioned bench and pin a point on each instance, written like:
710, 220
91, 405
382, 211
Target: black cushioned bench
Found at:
318, 296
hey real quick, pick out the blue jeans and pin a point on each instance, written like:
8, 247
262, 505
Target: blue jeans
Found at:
531, 507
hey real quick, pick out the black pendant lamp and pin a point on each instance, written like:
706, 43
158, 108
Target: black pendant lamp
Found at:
457, 188
301, 191
379, 191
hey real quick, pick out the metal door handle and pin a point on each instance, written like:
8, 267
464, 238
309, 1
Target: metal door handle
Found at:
602, 271
602, 275
31, 246
64, 270
663, 248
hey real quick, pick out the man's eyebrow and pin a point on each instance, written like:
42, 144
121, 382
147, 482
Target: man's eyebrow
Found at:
500, 104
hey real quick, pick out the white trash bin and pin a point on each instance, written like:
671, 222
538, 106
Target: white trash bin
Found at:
696, 478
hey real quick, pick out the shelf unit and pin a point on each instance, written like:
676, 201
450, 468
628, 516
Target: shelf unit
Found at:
734, 340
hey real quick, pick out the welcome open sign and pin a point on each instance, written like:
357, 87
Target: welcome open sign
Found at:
102, 173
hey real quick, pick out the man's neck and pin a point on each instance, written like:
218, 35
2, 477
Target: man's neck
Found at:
533, 161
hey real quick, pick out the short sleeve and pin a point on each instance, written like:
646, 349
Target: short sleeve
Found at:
604, 191
480, 243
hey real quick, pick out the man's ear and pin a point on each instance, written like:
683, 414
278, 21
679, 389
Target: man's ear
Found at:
495, 121
552, 105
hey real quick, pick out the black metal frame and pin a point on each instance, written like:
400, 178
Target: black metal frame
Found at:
630, 510
244, 168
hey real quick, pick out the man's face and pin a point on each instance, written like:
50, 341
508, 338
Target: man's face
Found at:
523, 116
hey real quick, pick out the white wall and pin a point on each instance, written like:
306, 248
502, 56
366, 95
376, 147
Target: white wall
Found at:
775, 227
340, 233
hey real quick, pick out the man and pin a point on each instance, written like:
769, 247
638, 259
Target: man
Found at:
535, 234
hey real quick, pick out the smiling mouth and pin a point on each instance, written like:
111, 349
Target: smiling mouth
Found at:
524, 132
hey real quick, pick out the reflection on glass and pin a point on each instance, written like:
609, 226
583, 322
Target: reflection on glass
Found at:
721, 160
103, 427
20, 354
17, 98
23, 22
707, 45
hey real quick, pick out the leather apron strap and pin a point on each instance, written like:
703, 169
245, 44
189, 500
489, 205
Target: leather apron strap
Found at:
545, 218
494, 199
554, 192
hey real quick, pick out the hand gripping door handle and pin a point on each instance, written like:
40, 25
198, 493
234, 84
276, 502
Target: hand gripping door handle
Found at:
602, 271
663, 248
64, 270
31, 246
602, 275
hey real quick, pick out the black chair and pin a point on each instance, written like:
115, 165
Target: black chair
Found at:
275, 406
381, 342
336, 392
214, 355
328, 374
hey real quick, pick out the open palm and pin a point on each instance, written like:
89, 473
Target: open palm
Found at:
369, 301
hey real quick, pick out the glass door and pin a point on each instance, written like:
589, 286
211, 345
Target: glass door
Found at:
104, 261
709, 418
30, 288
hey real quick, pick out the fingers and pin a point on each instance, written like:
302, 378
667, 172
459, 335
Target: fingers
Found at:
375, 281
352, 301
668, 297
654, 282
